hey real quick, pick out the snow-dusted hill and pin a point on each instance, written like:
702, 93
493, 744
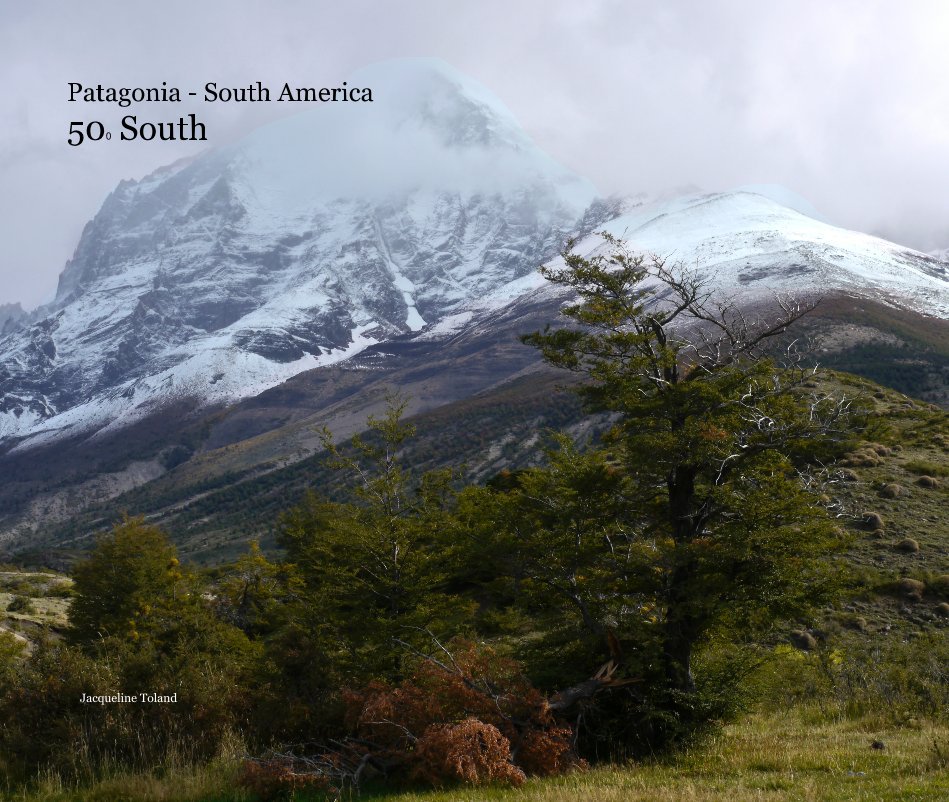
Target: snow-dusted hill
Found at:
418, 216
746, 243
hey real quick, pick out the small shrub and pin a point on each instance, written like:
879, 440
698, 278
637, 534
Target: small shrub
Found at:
911, 589
942, 609
21, 604
892, 490
17, 584
544, 753
872, 520
862, 459
415, 725
11, 652
907, 546
847, 475
803, 640
927, 481
939, 585
470, 752
60, 590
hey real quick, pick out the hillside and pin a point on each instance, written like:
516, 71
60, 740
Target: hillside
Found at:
213, 516
176, 456
830, 687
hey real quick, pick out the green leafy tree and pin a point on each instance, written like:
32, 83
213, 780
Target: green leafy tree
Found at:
550, 542
374, 569
148, 618
721, 448
129, 584
252, 592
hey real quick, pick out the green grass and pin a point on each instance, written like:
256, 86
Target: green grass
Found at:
926, 468
761, 758
789, 756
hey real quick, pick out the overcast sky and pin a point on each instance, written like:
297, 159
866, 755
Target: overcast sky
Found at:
846, 103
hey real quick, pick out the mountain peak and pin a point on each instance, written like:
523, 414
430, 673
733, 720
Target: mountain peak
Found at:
429, 127
786, 197
10, 315
354, 224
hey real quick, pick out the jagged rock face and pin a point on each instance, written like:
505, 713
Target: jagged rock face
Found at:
298, 246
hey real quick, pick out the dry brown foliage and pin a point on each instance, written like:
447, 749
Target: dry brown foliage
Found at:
464, 715
907, 545
469, 752
278, 777
468, 685
872, 520
912, 589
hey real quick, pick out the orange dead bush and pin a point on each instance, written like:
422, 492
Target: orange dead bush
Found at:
456, 704
469, 752
276, 778
546, 752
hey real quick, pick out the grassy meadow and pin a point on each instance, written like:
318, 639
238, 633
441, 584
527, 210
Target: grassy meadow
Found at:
796, 755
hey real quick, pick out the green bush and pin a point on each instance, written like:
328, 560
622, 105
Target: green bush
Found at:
59, 590
21, 604
882, 678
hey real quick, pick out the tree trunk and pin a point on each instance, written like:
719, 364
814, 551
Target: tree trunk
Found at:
680, 630
677, 651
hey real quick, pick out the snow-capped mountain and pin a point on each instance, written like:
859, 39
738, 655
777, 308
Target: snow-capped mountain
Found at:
296, 247
416, 217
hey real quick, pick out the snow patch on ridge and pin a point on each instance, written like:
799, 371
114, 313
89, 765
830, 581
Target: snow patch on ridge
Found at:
215, 374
